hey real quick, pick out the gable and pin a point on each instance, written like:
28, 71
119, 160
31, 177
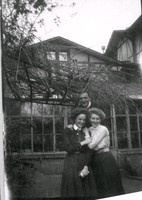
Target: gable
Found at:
60, 43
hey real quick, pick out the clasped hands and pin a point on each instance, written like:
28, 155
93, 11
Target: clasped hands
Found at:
84, 172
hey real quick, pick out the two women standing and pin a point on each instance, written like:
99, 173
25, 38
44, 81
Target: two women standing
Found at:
90, 170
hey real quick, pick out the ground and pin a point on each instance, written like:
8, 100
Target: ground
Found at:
46, 186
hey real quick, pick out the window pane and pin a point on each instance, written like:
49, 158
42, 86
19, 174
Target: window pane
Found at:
13, 134
47, 110
48, 143
37, 109
63, 56
26, 143
120, 109
12, 107
51, 55
122, 140
140, 122
48, 125
107, 123
133, 109
121, 124
25, 127
140, 107
59, 125
135, 140
59, 143
37, 125
26, 109
133, 124
38, 143
59, 110
141, 137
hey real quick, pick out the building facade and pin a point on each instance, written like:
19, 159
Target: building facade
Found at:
35, 123
126, 46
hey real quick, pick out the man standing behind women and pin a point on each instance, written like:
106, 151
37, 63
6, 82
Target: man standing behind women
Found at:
107, 175
85, 101
77, 177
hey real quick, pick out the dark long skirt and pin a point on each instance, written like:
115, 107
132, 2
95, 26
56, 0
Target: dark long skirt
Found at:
74, 186
107, 175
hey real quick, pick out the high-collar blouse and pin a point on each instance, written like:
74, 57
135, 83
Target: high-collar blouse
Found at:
100, 140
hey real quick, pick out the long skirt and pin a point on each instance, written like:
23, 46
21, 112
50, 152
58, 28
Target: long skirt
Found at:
74, 186
107, 175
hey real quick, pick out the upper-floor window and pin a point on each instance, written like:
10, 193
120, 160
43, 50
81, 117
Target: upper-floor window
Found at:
51, 55
63, 56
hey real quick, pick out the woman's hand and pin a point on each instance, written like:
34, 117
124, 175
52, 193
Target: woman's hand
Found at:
70, 126
86, 141
84, 172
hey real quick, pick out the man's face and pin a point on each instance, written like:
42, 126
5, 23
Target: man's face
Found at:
84, 100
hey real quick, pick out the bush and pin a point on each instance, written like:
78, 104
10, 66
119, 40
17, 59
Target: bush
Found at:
18, 171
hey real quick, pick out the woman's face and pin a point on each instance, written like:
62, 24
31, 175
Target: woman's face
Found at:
95, 120
80, 120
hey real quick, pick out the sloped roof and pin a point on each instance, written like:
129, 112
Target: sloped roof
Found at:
136, 25
131, 90
113, 42
117, 35
60, 40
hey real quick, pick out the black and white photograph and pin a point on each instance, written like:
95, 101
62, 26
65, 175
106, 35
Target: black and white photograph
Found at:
71, 99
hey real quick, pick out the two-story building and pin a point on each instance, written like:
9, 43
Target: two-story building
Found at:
126, 46
45, 87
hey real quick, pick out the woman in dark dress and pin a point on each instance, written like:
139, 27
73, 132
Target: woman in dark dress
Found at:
107, 175
77, 178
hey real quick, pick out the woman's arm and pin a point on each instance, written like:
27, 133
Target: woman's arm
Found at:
88, 157
97, 138
87, 137
70, 146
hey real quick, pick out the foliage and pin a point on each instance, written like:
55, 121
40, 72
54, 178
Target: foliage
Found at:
130, 163
19, 20
18, 170
30, 76
21, 17
38, 79
18, 14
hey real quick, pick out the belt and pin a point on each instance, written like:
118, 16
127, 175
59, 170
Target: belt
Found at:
101, 150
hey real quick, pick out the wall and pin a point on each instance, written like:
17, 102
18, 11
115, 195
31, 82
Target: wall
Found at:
47, 177
131, 161
79, 55
46, 180
125, 50
83, 57
138, 45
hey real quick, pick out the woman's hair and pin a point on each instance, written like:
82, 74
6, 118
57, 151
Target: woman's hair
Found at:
98, 112
77, 111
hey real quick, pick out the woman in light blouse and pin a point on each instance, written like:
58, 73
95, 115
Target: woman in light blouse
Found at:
104, 165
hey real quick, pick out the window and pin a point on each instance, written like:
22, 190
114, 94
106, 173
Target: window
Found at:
63, 56
128, 126
38, 128
51, 55
34, 127
121, 132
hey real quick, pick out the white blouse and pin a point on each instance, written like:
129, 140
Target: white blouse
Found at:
100, 140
